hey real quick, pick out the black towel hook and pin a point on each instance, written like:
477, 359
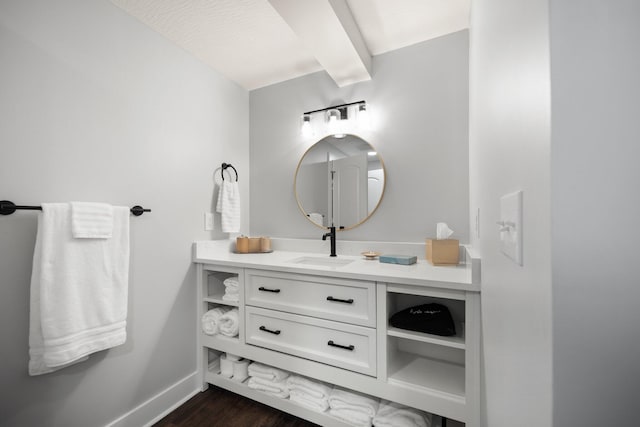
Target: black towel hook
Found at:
228, 165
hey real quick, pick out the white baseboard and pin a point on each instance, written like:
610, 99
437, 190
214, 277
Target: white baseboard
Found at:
157, 407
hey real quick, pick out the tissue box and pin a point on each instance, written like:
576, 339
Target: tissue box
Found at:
443, 252
399, 259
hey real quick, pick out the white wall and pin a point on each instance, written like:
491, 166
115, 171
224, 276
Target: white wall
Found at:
595, 69
97, 107
509, 149
419, 100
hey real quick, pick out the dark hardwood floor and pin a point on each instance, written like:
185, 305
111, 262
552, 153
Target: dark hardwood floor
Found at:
217, 407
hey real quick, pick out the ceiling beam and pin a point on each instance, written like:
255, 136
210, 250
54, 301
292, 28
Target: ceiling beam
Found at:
328, 30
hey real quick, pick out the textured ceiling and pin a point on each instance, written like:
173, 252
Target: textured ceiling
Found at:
249, 42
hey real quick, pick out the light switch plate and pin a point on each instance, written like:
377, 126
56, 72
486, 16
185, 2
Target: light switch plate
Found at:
511, 226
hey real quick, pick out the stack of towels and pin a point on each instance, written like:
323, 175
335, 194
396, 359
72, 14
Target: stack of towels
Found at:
391, 414
309, 393
231, 289
268, 379
221, 320
351, 407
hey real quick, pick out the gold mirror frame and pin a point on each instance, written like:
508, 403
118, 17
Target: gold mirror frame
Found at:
295, 183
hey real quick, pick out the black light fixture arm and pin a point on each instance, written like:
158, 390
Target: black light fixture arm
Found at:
335, 107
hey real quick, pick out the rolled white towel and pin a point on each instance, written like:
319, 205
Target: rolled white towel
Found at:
211, 320
393, 414
353, 401
308, 401
315, 389
267, 372
228, 324
274, 388
229, 290
352, 416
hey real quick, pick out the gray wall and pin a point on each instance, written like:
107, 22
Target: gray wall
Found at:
595, 64
419, 100
509, 150
97, 107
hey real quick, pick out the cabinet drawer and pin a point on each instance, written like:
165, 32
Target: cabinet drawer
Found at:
338, 344
352, 301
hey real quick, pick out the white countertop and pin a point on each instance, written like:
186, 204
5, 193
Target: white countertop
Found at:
460, 277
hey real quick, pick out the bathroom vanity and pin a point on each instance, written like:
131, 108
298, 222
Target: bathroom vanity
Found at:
327, 319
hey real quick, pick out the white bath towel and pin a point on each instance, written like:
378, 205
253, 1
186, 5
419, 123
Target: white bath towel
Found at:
353, 401
211, 320
91, 220
79, 290
267, 372
231, 297
274, 388
231, 282
229, 206
308, 401
312, 388
231, 290
228, 323
352, 416
393, 414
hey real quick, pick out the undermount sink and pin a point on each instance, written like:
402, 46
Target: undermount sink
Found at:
323, 261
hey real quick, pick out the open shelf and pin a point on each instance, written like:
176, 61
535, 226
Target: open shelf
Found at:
217, 299
456, 341
424, 373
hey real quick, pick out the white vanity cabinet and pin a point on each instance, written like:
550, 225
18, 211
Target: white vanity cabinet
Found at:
332, 324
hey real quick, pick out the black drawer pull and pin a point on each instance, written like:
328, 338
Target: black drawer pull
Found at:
276, 332
346, 301
346, 347
262, 288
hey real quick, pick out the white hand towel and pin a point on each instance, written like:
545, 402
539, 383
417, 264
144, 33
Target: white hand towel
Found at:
346, 399
315, 389
211, 320
275, 388
393, 414
228, 323
352, 416
310, 402
229, 206
91, 220
79, 290
267, 372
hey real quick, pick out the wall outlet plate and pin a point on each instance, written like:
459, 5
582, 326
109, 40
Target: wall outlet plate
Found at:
511, 226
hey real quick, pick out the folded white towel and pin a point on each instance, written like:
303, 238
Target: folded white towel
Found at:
393, 414
211, 320
267, 372
231, 297
315, 389
229, 206
79, 290
352, 416
308, 401
231, 290
91, 220
231, 282
275, 388
353, 401
228, 323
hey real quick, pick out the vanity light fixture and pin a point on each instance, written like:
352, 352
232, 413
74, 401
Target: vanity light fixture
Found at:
335, 117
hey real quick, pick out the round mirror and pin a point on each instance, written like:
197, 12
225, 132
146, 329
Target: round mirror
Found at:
339, 182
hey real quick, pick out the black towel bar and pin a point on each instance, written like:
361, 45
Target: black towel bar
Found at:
7, 208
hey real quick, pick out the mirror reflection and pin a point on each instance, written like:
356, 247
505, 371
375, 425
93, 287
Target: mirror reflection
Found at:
339, 182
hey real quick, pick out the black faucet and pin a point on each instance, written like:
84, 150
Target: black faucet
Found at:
332, 235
